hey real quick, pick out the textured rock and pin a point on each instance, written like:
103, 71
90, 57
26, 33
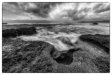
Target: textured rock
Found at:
18, 32
42, 57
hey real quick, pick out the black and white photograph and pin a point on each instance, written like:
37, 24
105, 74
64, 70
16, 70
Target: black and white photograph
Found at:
55, 37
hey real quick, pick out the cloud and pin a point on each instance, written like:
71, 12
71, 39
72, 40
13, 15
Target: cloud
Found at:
102, 7
14, 11
11, 11
56, 10
78, 11
39, 9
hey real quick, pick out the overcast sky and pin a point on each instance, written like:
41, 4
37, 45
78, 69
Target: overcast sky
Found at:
56, 11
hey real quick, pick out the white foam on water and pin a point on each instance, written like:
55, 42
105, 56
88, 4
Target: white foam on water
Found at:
53, 39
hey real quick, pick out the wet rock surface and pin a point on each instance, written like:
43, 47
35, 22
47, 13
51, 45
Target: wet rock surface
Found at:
99, 40
42, 57
12, 33
64, 57
26, 57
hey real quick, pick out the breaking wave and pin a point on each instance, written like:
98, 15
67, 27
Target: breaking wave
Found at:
61, 41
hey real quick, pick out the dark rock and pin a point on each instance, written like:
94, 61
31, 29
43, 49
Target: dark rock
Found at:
64, 57
102, 64
26, 31
18, 32
95, 23
42, 57
9, 33
102, 41
25, 56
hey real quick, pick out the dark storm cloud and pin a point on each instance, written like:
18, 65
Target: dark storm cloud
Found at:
40, 9
13, 11
102, 8
56, 11
13, 3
